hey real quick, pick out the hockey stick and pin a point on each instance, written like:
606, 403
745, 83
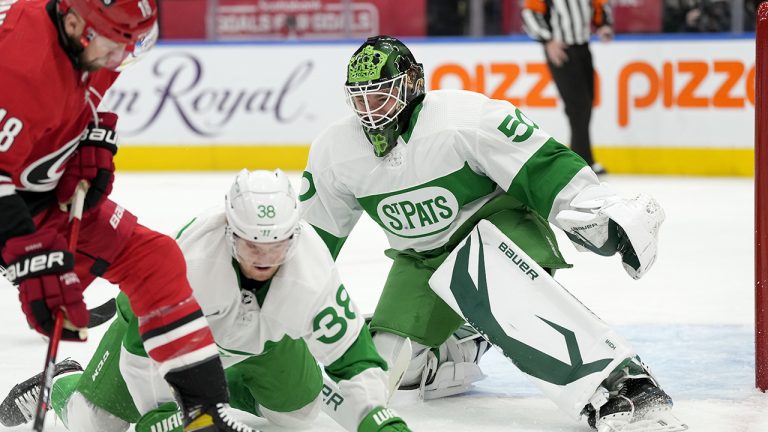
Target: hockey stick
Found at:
102, 313
99, 314
398, 367
43, 400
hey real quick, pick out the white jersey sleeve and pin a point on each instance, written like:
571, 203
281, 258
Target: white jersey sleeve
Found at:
326, 203
340, 341
525, 161
336, 322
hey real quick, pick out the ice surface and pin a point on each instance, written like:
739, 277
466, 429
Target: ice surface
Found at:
690, 317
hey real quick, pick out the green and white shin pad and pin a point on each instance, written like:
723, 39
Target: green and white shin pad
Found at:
552, 337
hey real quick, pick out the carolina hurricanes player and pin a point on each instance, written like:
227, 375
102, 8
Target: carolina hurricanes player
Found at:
59, 58
276, 306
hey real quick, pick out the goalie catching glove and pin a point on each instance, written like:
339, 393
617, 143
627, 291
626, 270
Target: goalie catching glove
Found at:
604, 223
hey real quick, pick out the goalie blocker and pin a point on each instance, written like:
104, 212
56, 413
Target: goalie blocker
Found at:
548, 334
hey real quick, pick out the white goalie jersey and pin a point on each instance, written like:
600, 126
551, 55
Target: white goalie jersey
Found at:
461, 150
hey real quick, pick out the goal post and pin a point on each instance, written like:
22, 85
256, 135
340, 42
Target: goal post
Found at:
761, 198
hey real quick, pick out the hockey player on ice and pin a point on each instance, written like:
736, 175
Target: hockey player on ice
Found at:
273, 298
58, 58
465, 188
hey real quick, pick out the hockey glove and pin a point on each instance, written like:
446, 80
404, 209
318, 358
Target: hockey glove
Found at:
41, 266
382, 419
92, 161
604, 223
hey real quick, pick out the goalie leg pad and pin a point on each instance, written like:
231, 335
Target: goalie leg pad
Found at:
553, 338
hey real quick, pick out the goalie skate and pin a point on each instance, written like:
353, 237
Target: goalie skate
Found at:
640, 406
20, 404
652, 422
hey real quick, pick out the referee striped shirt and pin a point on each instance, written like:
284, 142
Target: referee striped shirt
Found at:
565, 20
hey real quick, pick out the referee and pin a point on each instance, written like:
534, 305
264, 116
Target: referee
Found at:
564, 27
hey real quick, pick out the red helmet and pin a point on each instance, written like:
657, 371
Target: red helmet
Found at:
125, 21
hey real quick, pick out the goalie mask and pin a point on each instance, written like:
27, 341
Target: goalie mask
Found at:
384, 84
262, 213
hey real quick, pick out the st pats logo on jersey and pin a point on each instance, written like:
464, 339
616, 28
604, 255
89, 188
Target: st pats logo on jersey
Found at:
419, 212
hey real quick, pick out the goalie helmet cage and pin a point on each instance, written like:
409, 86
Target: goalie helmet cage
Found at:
761, 199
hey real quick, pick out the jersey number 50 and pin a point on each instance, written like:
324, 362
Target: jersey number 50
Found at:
9, 129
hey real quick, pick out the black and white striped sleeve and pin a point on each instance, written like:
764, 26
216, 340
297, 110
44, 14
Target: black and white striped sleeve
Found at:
536, 20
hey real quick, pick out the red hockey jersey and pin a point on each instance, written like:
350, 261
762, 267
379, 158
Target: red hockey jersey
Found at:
45, 103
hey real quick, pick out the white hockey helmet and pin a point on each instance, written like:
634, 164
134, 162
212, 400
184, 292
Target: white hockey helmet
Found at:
262, 210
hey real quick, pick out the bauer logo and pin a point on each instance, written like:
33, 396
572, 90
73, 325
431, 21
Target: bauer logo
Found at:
419, 212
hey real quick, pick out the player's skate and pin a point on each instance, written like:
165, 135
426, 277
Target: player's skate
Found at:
451, 368
638, 405
216, 418
20, 404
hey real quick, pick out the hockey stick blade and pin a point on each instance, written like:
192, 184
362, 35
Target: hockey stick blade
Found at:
98, 315
103, 313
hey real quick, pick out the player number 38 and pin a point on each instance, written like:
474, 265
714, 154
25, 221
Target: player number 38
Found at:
9, 129
332, 325
266, 211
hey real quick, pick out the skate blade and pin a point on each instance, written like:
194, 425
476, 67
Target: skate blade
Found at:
661, 421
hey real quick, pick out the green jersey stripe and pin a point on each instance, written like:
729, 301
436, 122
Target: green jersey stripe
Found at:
544, 175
